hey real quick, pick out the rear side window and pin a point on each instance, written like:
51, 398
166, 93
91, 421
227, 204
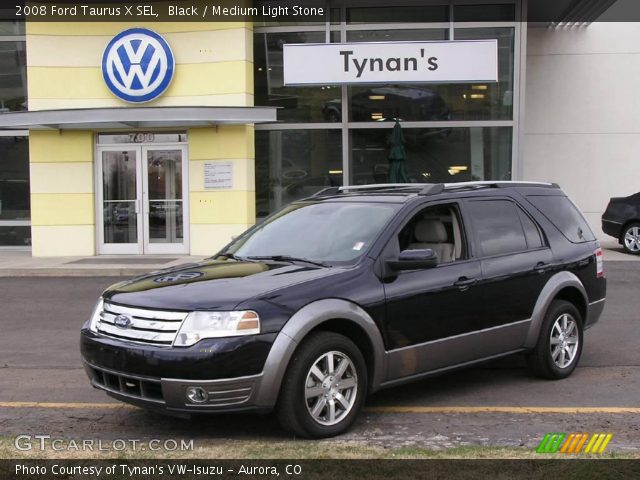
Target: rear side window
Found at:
561, 211
531, 231
497, 226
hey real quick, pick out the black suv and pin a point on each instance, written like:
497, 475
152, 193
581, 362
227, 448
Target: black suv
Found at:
621, 220
353, 290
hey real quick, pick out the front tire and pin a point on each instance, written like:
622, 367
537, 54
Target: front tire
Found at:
324, 387
559, 346
631, 239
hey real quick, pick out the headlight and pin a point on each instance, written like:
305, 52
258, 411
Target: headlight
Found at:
95, 316
200, 325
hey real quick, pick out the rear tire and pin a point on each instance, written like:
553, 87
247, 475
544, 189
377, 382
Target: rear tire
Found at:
630, 238
324, 388
559, 346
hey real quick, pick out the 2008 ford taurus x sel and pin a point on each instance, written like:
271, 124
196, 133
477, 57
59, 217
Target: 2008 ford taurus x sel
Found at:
353, 290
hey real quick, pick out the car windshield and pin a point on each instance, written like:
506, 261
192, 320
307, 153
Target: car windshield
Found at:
329, 232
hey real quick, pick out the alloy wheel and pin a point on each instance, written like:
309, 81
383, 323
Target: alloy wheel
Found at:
331, 388
632, 239
564, 340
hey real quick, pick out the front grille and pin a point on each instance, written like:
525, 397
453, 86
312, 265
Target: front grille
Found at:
144, 388
150, 327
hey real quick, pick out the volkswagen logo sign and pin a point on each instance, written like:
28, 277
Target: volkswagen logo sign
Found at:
122, 321
177, 277
138, 65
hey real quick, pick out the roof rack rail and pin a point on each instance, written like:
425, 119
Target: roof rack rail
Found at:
424, 189
500, 184
419, 188
432, 189
326, 192
379, 186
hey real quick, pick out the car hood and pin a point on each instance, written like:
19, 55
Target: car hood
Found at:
211, 284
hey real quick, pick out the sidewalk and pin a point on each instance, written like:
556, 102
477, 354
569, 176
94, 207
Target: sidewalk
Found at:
22, 264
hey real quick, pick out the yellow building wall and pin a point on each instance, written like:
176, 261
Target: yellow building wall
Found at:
214, 67
216, 216
62, 193
214, 64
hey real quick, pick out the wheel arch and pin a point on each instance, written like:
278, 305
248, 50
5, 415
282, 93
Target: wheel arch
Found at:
624, 227
337, 315
562, 286
356, 334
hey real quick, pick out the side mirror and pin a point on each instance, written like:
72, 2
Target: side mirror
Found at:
414, 259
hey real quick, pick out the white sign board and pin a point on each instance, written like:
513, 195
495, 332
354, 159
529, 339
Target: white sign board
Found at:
218, 175
391, 62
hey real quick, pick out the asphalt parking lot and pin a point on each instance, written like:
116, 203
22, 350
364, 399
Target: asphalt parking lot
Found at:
496, 404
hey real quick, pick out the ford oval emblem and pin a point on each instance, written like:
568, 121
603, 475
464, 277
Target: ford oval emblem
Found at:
123, 321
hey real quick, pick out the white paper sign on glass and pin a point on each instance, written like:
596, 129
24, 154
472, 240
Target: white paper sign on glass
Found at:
391, 62
218, 175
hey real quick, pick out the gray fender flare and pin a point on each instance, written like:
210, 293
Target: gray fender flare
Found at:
556, 283
299, 325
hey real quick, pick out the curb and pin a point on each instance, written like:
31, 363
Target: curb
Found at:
74, 272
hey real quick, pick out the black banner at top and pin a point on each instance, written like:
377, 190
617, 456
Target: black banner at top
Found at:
310, 12
302, 11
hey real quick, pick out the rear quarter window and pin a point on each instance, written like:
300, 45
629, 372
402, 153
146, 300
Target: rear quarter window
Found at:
562, 212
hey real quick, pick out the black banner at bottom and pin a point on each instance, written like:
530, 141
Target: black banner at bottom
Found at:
115, 469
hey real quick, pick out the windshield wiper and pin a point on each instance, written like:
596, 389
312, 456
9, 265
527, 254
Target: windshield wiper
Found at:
287, 258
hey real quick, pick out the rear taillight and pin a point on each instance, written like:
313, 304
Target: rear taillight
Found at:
599, 263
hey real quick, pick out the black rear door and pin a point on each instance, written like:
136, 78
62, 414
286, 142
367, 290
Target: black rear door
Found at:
515, 262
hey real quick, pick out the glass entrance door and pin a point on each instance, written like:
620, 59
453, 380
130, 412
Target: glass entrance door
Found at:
163, 199
141, 189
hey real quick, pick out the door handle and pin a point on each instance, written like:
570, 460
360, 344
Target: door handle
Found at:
540, 267
463, 283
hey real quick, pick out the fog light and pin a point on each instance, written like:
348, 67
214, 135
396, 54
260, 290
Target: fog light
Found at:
197, 394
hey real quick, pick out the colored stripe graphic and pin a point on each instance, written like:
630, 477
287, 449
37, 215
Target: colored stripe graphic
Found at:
551, 443
598, 443
581, 443
574, 442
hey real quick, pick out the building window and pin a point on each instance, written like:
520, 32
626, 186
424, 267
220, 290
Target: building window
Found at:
13, 77
15, 210
433, 155
453, 132
297, 104
11, 28
298, 164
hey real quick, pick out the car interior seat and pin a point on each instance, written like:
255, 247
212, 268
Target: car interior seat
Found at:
430, 233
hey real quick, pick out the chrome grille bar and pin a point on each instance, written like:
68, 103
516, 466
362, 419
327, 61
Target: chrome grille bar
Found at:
151, 327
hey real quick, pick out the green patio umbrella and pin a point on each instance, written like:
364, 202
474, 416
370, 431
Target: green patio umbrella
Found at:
397, 156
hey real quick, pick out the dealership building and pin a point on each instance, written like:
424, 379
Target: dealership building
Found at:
173, 137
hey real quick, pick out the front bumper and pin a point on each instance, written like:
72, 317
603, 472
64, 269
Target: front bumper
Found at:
230, 370
234, 394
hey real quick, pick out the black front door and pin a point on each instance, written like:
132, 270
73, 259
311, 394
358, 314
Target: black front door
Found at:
429, 308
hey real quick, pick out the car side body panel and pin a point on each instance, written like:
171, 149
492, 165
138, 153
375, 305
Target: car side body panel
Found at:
620, 212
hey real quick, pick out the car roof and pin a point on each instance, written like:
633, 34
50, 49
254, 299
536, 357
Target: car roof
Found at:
403, 192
